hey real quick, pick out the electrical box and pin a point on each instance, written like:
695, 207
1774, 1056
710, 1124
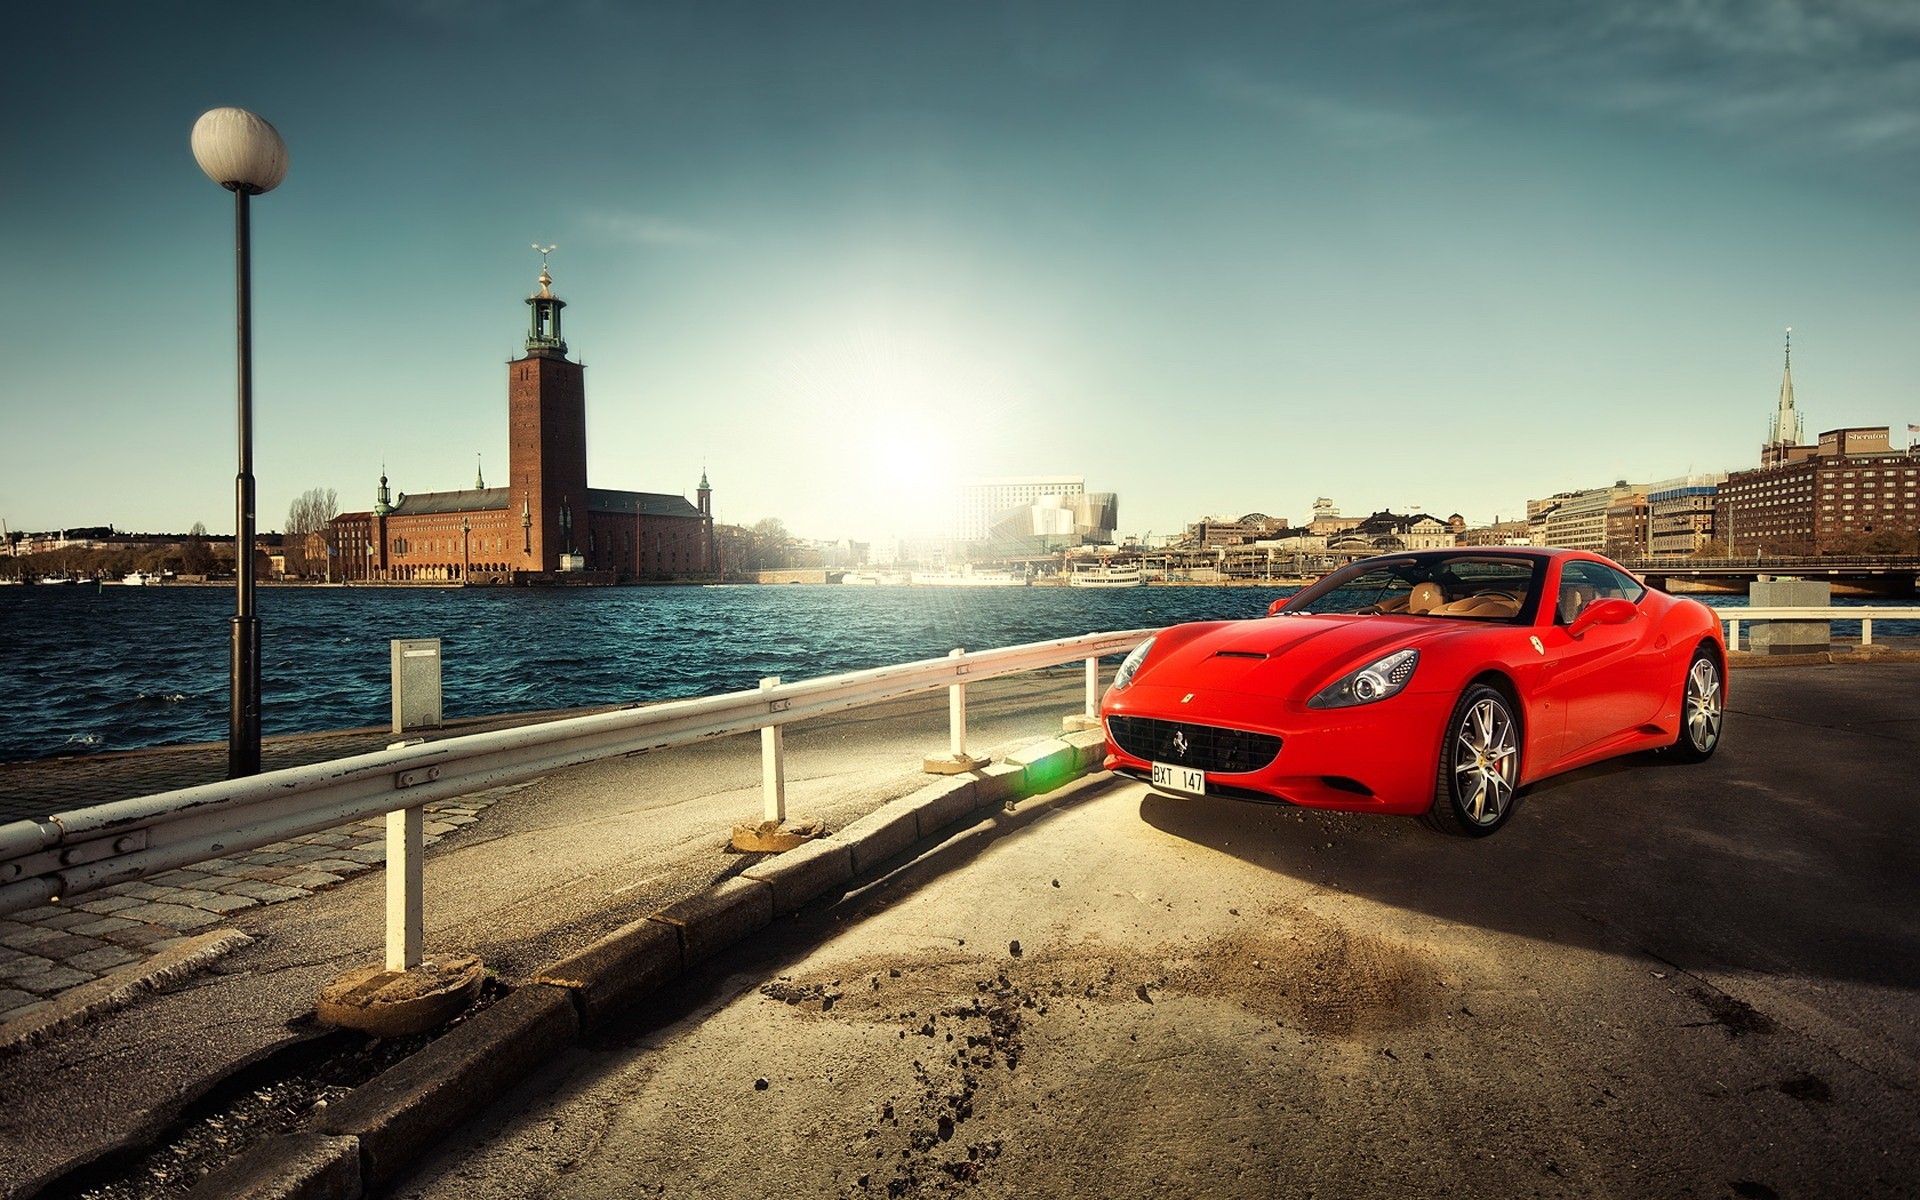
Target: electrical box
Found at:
416, 684
1790, 637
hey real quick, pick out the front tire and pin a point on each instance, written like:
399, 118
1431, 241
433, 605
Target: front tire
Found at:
1702, 708
1478, 783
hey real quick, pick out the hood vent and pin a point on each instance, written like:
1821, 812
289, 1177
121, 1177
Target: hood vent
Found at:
1254, 654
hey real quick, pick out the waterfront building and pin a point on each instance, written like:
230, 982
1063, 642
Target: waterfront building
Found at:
1384, 531
1627, 526
1032, 514
1581, 520
1327, 521
545, 523
1500, 533
1209, 532
1853, 493
1680, 513
980, 503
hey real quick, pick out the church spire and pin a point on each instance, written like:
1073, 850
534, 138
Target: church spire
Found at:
1786, 419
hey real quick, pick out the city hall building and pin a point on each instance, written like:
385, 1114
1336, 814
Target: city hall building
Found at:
546, 525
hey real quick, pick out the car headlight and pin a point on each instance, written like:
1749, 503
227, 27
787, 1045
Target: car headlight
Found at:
1375, 681
1124, 675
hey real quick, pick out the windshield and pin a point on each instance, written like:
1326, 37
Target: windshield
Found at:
1478, 587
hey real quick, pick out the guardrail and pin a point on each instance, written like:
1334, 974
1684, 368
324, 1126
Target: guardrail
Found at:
88, 848
1732, 618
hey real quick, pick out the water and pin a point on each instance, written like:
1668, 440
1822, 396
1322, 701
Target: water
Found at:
91, 669
115, 668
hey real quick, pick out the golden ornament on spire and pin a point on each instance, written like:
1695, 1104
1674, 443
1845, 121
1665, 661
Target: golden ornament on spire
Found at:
546, 277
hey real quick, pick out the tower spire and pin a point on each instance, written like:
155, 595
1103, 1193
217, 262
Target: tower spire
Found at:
544, 336
479, 476
1786, 419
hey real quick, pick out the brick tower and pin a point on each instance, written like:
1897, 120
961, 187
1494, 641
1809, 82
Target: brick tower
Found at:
547, 437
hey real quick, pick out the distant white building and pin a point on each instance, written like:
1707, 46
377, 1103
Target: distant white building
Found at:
982, 502
1030, 513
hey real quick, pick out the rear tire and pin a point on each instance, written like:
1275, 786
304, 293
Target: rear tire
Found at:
1702, 708
1477, 786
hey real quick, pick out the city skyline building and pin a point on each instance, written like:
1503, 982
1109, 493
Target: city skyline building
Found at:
1680, 513
979, 503
546, 523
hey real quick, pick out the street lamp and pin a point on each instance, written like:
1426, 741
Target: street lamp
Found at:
245, 155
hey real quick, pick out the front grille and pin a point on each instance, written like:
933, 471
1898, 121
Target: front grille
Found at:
1208, 747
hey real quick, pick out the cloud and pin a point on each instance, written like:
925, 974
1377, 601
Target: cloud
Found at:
1343, 118
645, 229
1821, 76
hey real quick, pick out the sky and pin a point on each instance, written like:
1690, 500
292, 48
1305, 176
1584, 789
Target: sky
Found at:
1218, 258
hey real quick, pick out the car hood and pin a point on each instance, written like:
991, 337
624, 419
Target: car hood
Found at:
1291, 657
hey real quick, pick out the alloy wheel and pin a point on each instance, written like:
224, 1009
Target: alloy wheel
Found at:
1703, 705
1485, 761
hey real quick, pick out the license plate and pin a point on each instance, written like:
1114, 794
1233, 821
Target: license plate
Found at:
1180, 779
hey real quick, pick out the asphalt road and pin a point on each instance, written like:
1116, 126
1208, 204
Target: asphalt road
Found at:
1658, 980
550, 868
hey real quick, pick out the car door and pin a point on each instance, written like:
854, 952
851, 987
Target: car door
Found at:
1606, 678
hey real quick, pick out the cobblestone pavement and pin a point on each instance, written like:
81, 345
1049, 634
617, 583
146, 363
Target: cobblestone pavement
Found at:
48, 950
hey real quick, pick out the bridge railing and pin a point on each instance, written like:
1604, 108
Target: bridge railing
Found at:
88, 848
1733, 618
1773, 562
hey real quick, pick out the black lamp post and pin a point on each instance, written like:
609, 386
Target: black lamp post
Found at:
245, 155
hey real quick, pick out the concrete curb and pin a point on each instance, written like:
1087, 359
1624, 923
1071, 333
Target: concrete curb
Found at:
719, 917
1815, 658
118, 989
391, 1120
413, 1104
803, 873
294, 1166
618, 970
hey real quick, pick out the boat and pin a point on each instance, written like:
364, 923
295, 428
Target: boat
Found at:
1105, 575
967, 576
138, 579
874, 579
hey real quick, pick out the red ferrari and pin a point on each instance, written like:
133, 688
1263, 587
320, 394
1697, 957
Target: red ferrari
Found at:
1438, 683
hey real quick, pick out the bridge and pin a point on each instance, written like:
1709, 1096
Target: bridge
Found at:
1886, 575
1880, 575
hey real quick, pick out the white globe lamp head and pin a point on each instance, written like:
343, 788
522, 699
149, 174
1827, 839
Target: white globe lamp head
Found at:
239, 151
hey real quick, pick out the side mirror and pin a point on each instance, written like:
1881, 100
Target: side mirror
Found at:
1616, 611
1277, 605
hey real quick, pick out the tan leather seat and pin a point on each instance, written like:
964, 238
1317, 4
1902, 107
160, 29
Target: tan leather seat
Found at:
1425, 597
1573, 598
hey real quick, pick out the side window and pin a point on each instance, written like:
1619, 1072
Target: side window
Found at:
1621, 584
1581, 583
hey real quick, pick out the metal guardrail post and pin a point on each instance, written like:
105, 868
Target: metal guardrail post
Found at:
957, 715
1093, 688
1733, 633
773, 764
406, 910
1866, 631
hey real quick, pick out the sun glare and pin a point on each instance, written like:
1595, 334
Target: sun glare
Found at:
901, 416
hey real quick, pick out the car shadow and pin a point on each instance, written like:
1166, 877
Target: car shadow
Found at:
1762, 859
